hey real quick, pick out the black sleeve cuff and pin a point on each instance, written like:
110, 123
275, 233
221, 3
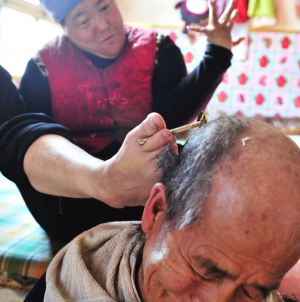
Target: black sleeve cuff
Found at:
17, 135
218, 51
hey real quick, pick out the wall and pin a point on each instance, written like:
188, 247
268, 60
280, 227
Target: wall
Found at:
154, 12
264, 79
158, 13
267, 83
286, 20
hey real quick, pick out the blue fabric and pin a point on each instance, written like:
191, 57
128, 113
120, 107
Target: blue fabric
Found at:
59, 9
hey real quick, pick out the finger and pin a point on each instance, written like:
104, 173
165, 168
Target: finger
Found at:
212, 15
152, 124
157, 141
153, 129
224, 18
196, 28
234, 14
238, 41
232, 18
174, 145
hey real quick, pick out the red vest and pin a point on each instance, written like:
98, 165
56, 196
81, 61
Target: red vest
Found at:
100, 106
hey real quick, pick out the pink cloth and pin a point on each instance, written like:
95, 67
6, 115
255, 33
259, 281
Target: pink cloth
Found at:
241, 5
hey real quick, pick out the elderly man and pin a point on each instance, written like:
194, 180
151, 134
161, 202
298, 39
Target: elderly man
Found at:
222, 226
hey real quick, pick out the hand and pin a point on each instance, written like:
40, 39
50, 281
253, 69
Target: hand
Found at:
56, 166
132, 172
218, 30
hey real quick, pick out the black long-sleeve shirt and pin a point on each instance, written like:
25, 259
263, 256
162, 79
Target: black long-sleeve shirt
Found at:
177, 97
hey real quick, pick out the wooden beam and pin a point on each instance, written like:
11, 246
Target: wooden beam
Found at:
27, 7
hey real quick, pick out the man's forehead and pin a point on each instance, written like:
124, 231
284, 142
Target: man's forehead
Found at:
254, 221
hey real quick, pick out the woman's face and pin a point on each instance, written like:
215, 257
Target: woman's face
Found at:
96, 26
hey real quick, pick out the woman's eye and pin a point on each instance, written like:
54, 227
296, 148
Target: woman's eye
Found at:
84, 22
81, 22
104, 8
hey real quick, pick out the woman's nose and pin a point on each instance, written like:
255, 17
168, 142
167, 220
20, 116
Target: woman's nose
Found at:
101, 24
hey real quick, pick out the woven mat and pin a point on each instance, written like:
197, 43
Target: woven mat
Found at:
25, 248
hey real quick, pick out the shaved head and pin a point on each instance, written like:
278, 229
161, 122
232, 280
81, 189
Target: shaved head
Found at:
257, 192
224, 223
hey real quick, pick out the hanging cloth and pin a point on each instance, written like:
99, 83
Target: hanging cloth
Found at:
220, 6
193, 12
242, 6
297, 7
262, 13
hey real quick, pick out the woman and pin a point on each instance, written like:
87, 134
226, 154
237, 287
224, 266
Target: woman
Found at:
93, 85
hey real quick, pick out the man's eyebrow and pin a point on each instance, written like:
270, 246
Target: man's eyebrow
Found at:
212, 269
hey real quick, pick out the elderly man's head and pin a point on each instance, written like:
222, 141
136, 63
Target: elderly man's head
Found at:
224, 223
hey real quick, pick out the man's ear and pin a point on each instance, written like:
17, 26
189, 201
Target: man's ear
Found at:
154, 208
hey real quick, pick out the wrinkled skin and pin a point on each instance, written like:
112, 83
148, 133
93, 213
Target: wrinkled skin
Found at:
247, 239
96, 26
